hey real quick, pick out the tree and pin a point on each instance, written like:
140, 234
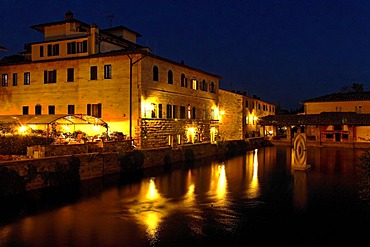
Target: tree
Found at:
356, 87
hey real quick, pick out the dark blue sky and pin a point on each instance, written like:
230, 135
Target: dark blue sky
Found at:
282, 51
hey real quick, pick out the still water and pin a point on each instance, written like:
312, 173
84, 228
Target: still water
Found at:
254, 199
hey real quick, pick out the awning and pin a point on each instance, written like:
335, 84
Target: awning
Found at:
71, 119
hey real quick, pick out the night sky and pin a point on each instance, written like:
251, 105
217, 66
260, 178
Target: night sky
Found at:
282, 51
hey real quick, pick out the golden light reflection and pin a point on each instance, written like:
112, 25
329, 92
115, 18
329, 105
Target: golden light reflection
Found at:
189, 198
219, 184
152, 193
253, 188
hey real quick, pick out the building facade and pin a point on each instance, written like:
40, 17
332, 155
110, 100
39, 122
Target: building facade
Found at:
239, 115
338, 118
80, 69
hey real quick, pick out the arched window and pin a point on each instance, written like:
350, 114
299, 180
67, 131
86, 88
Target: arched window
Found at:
203, 85
212, 87
170, 77
155, 73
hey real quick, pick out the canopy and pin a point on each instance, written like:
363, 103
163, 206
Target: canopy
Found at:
50, 119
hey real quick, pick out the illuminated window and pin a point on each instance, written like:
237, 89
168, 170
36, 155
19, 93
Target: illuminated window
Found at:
50, 76
189, 111
70, 74
93, 72
27, 78
170, 77
155, 73
204, 114
194, 84
4, 80
108, 71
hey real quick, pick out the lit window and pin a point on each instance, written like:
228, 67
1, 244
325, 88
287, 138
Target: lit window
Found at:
4, 80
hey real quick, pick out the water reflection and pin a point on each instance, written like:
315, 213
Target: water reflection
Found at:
227, 202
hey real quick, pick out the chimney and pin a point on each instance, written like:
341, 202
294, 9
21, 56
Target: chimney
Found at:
69, 15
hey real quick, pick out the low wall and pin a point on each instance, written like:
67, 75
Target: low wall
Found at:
21, 175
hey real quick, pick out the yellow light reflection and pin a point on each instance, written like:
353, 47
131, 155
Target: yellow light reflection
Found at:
222, 183
219, 184
152, 193
253, 188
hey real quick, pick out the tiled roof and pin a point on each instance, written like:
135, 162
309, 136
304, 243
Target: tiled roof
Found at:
335, 97
324, 118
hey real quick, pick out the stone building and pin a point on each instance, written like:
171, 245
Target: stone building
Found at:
80, 69
239, 115
337, 118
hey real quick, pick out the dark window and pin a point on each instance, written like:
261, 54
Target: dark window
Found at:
108, 71
71, 109
27, 78
155, 73
70, 74
38, 109
184, 82
212, 87
329, 136
174, 111
71, 48
4, 80
169, 111
194, 113
170, 77
182, 112
203, 85
246, 104
15, 79
50, 50
25, 110
93, 72
53, 50
41, 51
50, 76
51, 109
82, 46
160, 110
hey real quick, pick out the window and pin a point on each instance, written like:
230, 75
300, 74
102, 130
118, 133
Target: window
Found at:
184, 81
246, 104
169, 111
204, 114
194, 113
51, 109
70, 74
41, 51
4, 80
203, 85
213, 114
94, 110
182, 112
155, 73
27, 78
77, 47
108, 71
189, 111
93, 72
38, 109
71, 48
212, 88
174, 111
50, 76
160, 114
25, 110
170, 77
53, 50
82, 46
71, 109
194, 84
15, 79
